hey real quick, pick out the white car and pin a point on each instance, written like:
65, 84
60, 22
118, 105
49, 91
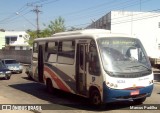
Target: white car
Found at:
13, 65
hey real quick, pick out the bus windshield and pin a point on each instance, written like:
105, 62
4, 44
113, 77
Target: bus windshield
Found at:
123, 55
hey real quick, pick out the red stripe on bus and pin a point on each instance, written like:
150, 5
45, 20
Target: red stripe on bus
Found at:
56, 79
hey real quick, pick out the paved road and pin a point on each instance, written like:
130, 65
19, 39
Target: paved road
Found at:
20, 90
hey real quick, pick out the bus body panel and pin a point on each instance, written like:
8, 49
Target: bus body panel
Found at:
60, 80
115, 89
120, 83
67, 77
34, 67
114, 95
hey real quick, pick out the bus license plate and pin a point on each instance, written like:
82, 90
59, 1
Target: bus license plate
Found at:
135, 92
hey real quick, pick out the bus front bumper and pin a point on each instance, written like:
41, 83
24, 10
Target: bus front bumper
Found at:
115, 95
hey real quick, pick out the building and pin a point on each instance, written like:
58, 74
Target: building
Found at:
142, 25
128, 22
139, 24
2, 39
103, 23
16, 40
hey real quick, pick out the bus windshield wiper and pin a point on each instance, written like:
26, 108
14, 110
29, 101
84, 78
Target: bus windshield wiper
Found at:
145, 67
142, 66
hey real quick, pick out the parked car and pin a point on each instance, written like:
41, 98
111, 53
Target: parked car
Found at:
4, 71
13, 65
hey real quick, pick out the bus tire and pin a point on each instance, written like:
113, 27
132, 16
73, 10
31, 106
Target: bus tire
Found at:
95, 97
49, 86
139, 101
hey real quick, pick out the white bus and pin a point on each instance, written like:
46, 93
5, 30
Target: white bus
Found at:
94, 63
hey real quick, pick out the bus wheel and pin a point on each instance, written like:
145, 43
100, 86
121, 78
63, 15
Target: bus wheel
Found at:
95, 98
49, 86
139, 101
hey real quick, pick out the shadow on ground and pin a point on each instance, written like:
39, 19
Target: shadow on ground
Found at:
61, 100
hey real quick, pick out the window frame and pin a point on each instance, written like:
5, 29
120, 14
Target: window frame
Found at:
60, 48
46, 51
93, 45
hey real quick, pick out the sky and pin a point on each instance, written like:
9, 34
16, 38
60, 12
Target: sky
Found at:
18, 14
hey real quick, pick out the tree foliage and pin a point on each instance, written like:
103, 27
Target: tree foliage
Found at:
57, 25
54, 26
33, 35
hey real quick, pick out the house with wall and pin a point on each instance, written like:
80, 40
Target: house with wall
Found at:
16, 40
2, 39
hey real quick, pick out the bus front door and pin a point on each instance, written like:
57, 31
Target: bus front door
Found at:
81, 69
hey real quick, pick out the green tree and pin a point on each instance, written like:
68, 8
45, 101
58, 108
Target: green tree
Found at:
33, 35
57, 25
54, 26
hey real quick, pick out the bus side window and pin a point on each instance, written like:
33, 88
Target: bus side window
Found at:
94, 66
51, 52
66, 52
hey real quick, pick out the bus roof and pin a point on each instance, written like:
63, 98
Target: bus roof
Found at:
85, 32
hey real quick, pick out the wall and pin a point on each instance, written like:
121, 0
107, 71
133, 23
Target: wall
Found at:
23, 56
2, 39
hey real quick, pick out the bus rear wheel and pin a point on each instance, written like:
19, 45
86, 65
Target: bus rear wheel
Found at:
95, 98
49, 86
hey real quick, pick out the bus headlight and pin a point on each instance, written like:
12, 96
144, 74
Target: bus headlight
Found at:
111, 85
107, 83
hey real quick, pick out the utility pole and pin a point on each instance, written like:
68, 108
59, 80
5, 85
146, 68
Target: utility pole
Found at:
37, 11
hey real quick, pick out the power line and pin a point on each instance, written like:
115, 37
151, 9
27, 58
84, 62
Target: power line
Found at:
42, 2
89, 8
38, 1
136, 19
49, 2
141, 17
120, 5
109, 4
26, 19
20, 11
13, 14
140, 13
